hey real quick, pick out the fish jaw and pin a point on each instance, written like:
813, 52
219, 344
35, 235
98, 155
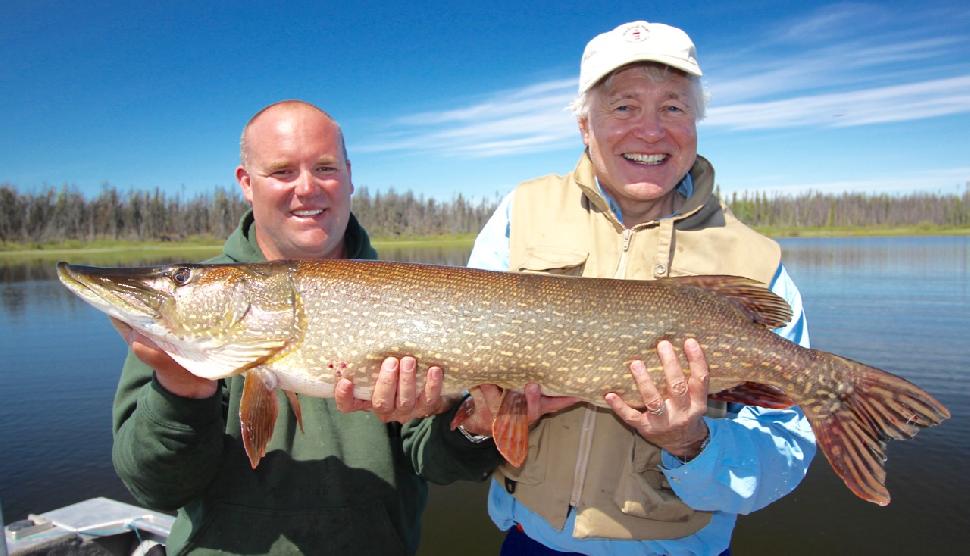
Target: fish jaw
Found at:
125, 299
214, 320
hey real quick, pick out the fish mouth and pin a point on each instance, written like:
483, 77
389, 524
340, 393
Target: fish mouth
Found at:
123, 293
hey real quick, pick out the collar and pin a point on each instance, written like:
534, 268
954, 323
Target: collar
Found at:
685, 189
242, 247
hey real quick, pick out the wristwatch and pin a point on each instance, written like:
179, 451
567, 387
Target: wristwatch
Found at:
473, 438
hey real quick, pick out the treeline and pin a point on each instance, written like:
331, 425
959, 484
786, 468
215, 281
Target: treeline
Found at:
847, 210
390, 214
59, 214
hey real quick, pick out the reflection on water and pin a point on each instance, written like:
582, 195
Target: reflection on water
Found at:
898, 303
451, 256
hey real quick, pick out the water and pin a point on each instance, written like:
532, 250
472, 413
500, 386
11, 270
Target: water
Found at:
902, 304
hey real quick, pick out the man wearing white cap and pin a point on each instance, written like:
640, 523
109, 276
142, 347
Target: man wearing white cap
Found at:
670, 478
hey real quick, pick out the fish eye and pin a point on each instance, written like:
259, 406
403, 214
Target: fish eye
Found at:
181, 276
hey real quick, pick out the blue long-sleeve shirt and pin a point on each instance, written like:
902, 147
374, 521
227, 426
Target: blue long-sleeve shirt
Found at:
752, 458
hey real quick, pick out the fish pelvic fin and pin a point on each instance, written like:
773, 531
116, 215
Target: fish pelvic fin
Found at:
295, 406
757, 301
258, 409
855, 415
510, 429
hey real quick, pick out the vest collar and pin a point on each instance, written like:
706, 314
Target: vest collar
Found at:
701, 203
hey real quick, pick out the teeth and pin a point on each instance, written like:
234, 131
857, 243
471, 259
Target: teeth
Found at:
315, 212
645, 158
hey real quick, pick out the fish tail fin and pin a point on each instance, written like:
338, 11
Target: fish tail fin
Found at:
854, 409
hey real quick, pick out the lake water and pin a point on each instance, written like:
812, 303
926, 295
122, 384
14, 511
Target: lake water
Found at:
902, 304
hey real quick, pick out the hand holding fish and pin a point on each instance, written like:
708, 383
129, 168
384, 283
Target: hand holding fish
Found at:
675, 422
173, 377
395, 396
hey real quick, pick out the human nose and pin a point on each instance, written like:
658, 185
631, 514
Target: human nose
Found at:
649, 127
304, 183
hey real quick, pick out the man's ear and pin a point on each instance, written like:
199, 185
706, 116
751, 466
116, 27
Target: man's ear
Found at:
350, 177
245, 183
583, 122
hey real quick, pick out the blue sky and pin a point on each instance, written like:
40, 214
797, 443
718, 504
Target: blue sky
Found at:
442, 98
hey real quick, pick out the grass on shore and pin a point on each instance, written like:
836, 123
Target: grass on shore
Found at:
863, 231
106, 251
201, 247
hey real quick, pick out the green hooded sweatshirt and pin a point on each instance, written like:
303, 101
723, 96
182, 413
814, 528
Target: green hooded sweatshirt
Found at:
347, 484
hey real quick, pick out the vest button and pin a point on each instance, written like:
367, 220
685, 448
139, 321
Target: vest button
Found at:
660, 270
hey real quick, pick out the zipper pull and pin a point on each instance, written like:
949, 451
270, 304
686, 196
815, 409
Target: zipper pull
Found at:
627, 236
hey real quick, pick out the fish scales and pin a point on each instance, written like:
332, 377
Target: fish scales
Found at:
298, 326
574, 336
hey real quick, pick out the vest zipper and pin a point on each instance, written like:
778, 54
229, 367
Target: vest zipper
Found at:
589, 418
582, 460
621, 264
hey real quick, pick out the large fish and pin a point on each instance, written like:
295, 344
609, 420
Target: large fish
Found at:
296, 326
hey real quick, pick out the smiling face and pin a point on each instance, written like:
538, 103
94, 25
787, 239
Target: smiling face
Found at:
297, 179
642, 139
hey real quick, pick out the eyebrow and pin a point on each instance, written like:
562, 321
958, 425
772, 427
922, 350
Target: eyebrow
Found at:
282, 164
276, 166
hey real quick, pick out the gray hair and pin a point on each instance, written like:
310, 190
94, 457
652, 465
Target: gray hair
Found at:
657, 73
243, 160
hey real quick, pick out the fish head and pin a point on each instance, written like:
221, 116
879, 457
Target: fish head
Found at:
215, 320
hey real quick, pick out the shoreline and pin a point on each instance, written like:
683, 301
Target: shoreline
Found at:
156, 248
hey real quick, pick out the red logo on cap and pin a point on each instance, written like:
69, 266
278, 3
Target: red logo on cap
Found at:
636, 34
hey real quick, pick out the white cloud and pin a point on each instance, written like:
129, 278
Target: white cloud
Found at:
829, 22
847, 64
527, 119
912, 101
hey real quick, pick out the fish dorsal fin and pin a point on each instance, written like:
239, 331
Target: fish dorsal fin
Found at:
761, 304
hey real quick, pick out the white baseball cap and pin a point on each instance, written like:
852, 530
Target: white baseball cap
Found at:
637, 41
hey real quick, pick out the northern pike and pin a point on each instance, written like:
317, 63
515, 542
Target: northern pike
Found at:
298, 325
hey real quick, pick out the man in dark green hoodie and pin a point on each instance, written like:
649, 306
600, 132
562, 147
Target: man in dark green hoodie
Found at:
350, 482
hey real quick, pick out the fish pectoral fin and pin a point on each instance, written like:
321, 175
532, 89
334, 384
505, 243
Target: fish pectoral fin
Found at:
510, 429
295, 406
257, 413
230, 359
755, 393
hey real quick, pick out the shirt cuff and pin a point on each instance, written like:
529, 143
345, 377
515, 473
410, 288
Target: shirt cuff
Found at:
676, 470
170, 410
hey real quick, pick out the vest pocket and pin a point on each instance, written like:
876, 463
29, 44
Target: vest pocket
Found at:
553, 260
643, 490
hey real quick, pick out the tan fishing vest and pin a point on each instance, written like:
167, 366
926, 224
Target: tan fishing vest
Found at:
585, 457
